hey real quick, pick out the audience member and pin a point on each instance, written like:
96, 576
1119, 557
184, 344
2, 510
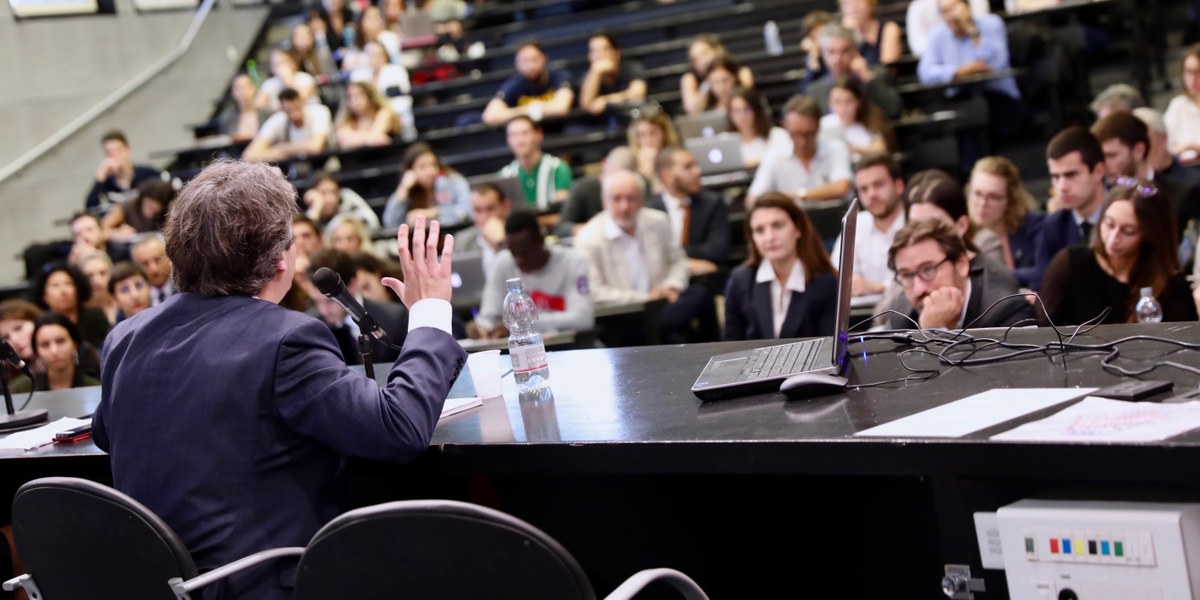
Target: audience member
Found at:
371, 270
814, 169
922, 16
545, 179
128, 287
750, 118
1162, 162
584, 202
285, 76
391, 81
97, 268
880, 187
999, 204
1183, 113
535, 91
722, 78
144, 212
87, 236
609, 79
634, 257
311, 53
327, 199
935, 195
329, 20
370, 29
347, 234
308, 242
699, 218
1133, 249
1118, 97
788, 287
57, 343
150, 254
1076, 164
117, 176
650, 130
391, 317
64, 289
298, 129
856, 120
365, 118
428, 188
17, 318
965, 45
842, 60
242, 117
944, 288
811, 45
693, 85
489, 211
307, 234
1125, 140
878, 41
555, 277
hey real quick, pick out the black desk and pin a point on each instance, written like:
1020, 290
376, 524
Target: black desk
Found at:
758, 496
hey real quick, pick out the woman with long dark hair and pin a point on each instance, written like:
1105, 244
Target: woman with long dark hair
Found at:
65, 290
855, 119
57, 346
428, 187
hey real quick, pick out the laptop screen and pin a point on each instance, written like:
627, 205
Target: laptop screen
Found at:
845, 277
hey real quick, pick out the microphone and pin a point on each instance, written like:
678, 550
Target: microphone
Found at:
14, 419
7, 354
330, 284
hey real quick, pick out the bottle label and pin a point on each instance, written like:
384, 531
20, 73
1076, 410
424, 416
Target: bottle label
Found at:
528, 359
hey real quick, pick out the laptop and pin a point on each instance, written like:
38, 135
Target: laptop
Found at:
415, 24
467, 279
763, 369
705, 124
718, 154
510, 187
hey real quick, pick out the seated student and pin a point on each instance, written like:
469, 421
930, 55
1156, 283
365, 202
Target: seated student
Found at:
839, 51
721, 79
310, 52
428, 187
117, 176
1183, 113
285, 76
17, 318
1077, 172
97, 267
788, 287
371, 270
392, 317
649, 131
944, 288
555, 277
489, 210
150, 253
63, 289
242, 118
880, 187
878, 41
329, 20
815, 169
1118, 97
694, 86
1160, 159
128, 287
349, 235
934, 194
371, 28
143, 213
923, 15
811, 46
535, 91
58, 347
585, 202
856, 120
998, 203
609, 79
298, 129
545, 179
391, 81
964, 45
87, 236
307, 234
365, 118
326, 200
699, 218
1134, 248
750, 118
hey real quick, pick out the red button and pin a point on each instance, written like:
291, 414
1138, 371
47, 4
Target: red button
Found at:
1053, 546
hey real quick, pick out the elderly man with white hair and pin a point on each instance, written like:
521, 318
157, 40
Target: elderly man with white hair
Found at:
633, 257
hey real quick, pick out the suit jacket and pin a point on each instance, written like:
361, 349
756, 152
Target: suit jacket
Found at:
583, 204
748, 313
392, 317
608, 272
1023, 245
231, 418
1183, 186
1058, 231
708, 231
989, 282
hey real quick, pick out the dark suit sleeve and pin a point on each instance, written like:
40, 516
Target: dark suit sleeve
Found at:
316, 395
575, 209
714, 245
1047, 243
736, 297
1055, 284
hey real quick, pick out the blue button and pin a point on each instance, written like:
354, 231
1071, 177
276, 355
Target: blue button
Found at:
1066, 546
1104, 549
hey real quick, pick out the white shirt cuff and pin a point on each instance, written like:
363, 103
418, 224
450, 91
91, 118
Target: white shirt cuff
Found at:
430, 312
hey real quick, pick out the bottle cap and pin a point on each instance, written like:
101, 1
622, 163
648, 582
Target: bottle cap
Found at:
1147, 292
513, 284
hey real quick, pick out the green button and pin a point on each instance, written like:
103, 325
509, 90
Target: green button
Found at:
1119, 548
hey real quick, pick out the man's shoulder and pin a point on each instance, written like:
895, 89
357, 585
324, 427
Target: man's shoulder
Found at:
656, 219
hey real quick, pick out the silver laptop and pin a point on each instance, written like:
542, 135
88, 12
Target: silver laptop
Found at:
705, 124
763, 369
467, 278
718, 154
510, 187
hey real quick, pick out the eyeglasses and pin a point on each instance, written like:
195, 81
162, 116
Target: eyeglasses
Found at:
989, 198
1143, 189
927, 274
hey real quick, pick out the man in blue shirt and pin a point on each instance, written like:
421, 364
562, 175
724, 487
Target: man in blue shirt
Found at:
534, 91
964, 45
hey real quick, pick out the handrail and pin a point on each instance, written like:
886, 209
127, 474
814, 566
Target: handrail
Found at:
112, 99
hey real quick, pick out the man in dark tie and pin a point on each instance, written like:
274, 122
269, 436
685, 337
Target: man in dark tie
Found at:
231, 417
1077, 173
699, 218
150, 254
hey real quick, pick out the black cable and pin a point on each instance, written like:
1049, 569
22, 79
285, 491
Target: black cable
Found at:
27, 399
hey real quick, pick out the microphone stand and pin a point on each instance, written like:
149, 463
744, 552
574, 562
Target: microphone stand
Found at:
13, 420
364, 348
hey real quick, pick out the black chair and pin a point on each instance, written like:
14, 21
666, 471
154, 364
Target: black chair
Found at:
445, 550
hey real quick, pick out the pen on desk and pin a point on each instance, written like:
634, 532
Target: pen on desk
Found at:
506, 374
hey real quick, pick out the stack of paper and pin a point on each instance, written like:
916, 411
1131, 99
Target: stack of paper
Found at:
975, 413
453, 406
1102, 420
33, 438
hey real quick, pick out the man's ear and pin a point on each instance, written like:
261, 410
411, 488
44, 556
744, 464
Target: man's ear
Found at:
962, 266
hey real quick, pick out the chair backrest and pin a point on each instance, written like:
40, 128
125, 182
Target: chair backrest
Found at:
436, 549
81, 539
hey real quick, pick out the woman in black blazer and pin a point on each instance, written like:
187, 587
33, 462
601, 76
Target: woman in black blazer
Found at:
788, 287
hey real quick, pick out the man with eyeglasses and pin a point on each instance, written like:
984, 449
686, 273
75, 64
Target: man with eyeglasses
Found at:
945, 288
812, 170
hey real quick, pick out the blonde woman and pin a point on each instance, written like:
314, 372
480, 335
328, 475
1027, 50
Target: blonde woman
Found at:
997, 202
365, 118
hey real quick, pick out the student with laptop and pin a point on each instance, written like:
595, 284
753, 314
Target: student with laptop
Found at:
699, 218
788, 287
489, 209
814, 170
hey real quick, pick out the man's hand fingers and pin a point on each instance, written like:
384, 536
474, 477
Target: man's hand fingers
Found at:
447, 254
396, 286
431, 256
406, 260
418, 243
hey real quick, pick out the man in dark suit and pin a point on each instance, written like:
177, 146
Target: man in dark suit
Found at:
1077, 172
231, 417
391, 317
698, 217
944, 288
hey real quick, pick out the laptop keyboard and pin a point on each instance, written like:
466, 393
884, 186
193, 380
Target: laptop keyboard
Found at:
774, 361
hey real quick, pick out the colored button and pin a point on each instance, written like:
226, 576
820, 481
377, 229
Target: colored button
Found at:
1066, 546
1105, 549
1029, 545
1091, 546
1080, 547
1053, 545
1119, 548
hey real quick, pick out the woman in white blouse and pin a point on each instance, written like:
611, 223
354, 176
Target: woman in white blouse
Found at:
750, 119
856, 120
1183, 113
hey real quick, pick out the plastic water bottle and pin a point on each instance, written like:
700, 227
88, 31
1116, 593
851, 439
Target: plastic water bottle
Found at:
525, 345
1148, 309
771, 38
441, 190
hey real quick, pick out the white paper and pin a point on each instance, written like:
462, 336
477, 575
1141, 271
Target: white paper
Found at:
33, 438
1104, 420
977, 412
453, 406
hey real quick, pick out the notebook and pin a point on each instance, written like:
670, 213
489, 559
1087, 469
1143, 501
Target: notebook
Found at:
467, 279
762, 370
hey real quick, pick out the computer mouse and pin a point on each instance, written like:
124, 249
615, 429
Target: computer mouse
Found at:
811, 385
